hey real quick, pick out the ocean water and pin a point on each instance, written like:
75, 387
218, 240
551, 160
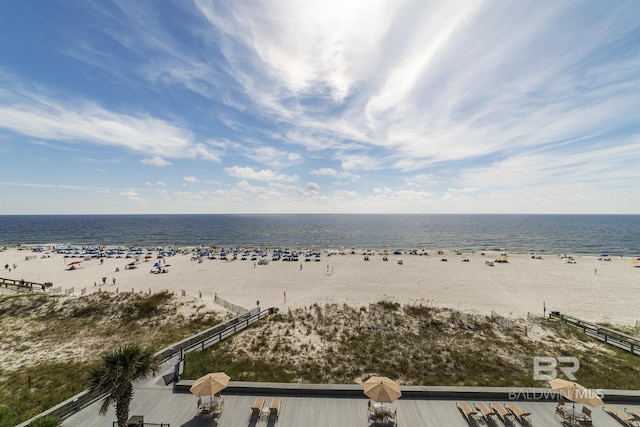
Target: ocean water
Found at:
575, 234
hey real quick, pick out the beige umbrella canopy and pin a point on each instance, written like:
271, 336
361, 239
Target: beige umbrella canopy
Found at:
382, 389
210, 384
575, 392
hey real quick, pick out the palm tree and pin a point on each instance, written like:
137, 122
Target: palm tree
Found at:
115, 376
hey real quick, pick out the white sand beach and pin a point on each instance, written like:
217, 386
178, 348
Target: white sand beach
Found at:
590, 289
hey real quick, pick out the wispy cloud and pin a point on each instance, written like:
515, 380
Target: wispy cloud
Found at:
191, 179
79, 121
344, 106
155, 161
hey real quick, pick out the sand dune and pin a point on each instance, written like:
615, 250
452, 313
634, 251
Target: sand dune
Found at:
591, 289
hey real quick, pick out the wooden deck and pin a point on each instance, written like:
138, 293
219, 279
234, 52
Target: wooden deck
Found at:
161, 405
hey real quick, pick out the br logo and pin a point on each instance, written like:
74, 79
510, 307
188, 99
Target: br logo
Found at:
546, 368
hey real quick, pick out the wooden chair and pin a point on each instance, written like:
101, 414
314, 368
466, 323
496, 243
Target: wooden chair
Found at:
620, 416
502, 412
256, 408
518, 412
585, 420
217, 409
469, 414
274, 408
487, 413
371, 410
563, 414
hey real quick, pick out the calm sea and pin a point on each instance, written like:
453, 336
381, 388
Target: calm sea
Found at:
577, 234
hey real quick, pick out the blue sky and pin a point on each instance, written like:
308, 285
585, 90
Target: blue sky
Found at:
300, 106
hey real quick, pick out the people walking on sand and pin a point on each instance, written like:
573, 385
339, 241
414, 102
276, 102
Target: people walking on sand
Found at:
114, 280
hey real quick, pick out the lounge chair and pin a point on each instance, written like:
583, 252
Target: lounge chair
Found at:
627, 420
470, 415
502, 412
634, 412
518, 412
274, 408
256, 408
484, 409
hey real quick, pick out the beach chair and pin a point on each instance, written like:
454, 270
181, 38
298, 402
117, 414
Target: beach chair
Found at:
256, 408
274, 408
585, 420
633, 412
562, 413
486, 412
371, 411
620, 416
217, 409
505, 416
518, 412
470, 416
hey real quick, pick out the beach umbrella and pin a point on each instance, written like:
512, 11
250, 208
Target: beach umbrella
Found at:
576, 393
382, 389
210, 384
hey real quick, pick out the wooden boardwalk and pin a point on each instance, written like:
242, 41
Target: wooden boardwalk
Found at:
161, 405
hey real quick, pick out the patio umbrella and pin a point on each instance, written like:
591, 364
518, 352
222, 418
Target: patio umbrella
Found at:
576, 392
382, 389
210, 384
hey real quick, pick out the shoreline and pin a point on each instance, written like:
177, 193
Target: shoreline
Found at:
591, 289
377, 250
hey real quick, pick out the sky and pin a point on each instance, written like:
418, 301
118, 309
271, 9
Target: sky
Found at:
416, 106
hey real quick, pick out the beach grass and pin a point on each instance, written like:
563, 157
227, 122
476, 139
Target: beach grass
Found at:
416, 345
64, 337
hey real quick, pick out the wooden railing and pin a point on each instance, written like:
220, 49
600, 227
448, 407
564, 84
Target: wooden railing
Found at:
610, 336
199, 341
217, 334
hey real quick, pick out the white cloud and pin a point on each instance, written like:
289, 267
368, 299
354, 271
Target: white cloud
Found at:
190, 179
83, 122
131, 194
324, 171
267, 175
155, 161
